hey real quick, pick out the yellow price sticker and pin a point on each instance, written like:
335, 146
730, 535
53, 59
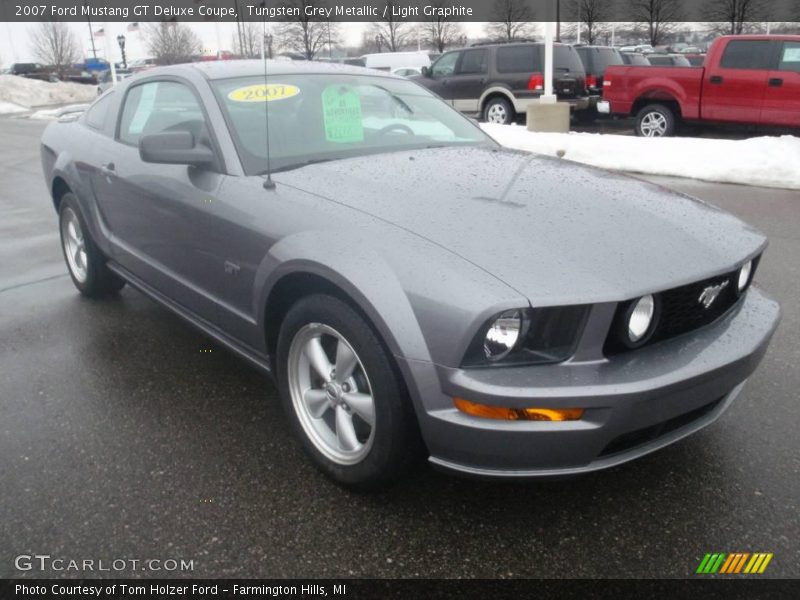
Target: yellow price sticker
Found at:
264, 93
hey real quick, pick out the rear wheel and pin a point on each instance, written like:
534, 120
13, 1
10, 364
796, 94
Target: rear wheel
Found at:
499, 111
655, 120
86, 264
342, 394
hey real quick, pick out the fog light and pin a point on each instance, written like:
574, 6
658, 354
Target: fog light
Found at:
518, 414
641, 318
744, 275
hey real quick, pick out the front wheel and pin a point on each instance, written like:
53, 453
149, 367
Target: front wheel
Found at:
342, 394
655, 120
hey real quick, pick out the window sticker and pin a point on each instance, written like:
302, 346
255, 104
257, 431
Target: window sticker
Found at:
264, 92
341, 107
791, 55
146, 103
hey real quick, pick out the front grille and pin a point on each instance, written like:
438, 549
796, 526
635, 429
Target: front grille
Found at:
631, 440
679, 310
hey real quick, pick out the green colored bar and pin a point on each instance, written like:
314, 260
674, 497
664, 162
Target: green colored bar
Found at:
718, 563
701, 568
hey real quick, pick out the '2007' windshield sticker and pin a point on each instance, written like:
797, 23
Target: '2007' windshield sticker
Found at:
341, 107
264, 92
145, 108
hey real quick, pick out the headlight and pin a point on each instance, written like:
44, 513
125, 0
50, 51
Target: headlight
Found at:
641, 318
527, 336
744, 275
503, 335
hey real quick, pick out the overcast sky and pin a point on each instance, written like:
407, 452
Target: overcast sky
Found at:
15, 38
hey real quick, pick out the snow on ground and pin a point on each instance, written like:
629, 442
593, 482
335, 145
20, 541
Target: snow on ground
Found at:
30, 93
7, 108
762, 161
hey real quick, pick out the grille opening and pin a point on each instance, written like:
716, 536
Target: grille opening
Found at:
639, 437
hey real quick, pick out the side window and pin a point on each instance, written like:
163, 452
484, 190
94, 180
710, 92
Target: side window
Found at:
160, 106
517, 59
98, 112
747, 54
790, 57
446, 65
473, 62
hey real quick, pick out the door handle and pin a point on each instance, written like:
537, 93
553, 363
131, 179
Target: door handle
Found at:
776, 82
108, 166
716, 79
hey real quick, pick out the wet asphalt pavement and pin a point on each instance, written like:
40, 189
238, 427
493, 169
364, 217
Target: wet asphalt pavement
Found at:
122, 436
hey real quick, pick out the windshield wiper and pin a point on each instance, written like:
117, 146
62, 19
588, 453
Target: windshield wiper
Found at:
293, 166
403, 104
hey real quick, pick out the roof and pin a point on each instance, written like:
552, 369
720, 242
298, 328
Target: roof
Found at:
225, 69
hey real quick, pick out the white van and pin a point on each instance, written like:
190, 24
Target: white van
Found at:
389, 61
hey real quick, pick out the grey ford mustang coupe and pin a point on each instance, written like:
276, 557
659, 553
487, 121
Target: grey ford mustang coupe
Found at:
412, 287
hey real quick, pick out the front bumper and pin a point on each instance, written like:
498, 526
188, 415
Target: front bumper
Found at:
635, 403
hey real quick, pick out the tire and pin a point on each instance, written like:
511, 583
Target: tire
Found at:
499, 110
656, 120
85, 263
333, 427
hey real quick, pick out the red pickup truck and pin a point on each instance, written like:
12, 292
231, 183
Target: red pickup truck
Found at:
747, 79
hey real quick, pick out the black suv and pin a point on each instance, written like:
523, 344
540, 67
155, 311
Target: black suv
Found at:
596, 59
497, 81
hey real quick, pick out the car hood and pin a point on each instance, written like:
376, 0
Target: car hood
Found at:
555, 231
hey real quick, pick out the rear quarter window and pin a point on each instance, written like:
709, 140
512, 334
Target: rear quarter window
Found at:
97, 115
518, 59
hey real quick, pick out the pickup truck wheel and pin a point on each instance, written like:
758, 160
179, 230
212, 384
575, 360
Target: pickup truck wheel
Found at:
499, 111
655, 120
344, 398
86, 264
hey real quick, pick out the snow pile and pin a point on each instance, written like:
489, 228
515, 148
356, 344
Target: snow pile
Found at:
29, 93
7, 108
763, 161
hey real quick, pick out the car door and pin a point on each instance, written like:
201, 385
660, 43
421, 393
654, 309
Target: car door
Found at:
782, 101
734, 89
161, 215
469, 80
441, 75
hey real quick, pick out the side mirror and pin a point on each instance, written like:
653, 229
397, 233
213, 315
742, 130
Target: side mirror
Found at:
174, 148
426, 72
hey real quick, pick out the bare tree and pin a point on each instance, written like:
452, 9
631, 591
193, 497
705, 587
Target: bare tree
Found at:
391, 31
511, 20
247, 43
592, 17
735, 14
657, 16
441, 32
305, 35
171, 43
54, 43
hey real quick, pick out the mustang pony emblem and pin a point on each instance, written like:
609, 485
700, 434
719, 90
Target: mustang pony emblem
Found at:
711, 293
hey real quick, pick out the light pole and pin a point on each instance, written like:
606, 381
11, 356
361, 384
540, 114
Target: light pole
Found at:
121, 42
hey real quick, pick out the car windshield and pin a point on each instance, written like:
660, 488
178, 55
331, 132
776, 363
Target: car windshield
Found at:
321, 117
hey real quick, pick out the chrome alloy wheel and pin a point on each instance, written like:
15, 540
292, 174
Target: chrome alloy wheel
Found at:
331, 394
497, 114
74, 244
654, 124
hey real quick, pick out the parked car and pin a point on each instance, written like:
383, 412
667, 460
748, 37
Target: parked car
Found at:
104, 80
34, 71
696, 60
749, 80
142, 64
387, 61
506, 314
635, 58
596, 59
498, 81
668, 60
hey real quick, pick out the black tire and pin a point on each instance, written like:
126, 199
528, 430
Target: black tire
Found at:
99, 281
497, 106
396, 443
660, 113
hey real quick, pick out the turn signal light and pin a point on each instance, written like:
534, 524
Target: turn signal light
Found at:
518, 414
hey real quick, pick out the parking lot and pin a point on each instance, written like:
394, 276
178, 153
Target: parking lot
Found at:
124, 433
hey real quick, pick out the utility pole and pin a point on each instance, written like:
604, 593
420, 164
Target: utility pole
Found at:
91, 33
